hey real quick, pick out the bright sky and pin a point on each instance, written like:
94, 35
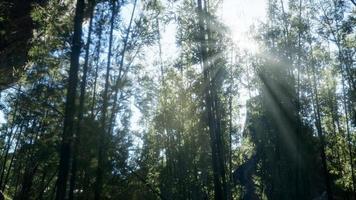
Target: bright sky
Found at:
239, 15
2, 119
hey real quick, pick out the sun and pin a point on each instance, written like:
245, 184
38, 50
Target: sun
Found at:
239, 16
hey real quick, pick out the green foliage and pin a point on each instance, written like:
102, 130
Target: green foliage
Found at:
175, 129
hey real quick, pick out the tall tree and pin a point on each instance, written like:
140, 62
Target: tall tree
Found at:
103, 122
80, 113
68, 128
210, 73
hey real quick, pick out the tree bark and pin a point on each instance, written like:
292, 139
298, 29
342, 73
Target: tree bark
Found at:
65, 151
80, 113
219, 190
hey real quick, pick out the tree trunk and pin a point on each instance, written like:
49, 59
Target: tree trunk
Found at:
209, 101
103, 134
97, 58
320, 133
9, 141
80, 113
27, 181
65, 150
119, 77
12, 160
349, 145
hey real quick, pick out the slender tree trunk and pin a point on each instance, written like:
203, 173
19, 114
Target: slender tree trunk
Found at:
349, 145
6, 154
298, 181
349, 77
218, 187
230, 128
9, 141
41, 184
65, 151
216, 109
320, 133
119, 77
104, 131
17, 181
46, 185
27, 181
97, 59
32, 164
80, 113
344, 67
336, 146
12, 160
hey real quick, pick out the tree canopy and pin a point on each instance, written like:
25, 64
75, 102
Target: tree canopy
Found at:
160, 99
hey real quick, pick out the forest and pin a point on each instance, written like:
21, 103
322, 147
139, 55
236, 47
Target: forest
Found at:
178, 99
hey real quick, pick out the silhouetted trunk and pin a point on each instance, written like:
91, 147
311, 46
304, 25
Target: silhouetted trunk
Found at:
320, 134
299, 187
119, 77
27, 181
65, 151
209, 104
9, 141
46, 185
103, 135
231, 80
349, 145
80, 113
31, 163
12, 160
216, 108
41, 184
17, 180
333, 114
346, 75
97, 64
6, 154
